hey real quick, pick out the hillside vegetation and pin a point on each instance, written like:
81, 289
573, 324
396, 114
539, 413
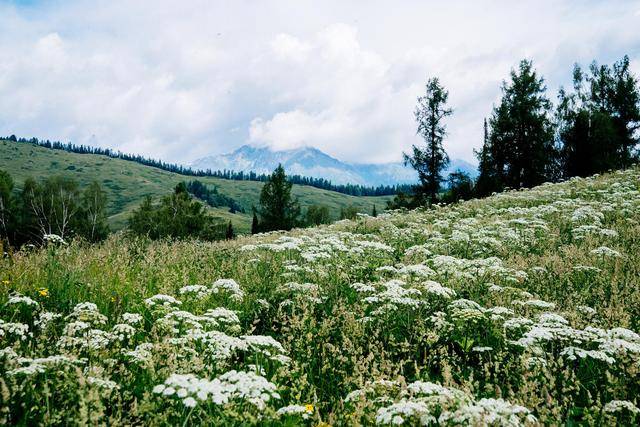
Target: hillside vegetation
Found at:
127, 183
520, 309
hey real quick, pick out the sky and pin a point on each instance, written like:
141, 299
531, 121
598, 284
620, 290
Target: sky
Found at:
182, 80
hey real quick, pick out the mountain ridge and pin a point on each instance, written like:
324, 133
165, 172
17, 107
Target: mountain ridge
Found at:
312, 162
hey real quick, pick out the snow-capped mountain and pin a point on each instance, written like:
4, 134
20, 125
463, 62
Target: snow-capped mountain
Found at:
311, 162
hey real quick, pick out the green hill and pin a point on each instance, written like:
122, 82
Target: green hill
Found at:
127, 183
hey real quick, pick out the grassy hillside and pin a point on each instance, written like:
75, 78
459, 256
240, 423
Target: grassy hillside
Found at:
127, 183
520, 309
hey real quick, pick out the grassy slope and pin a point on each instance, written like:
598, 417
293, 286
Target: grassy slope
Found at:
536, 258
505, 253
127, 183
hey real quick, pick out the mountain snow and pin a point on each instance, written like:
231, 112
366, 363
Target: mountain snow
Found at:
311, 162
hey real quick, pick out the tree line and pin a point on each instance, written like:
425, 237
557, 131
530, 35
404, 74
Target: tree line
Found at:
212, 197
527, 141
59, 206
55, 205
324, 184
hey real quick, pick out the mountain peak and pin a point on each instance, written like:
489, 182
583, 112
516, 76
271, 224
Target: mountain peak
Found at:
312, 162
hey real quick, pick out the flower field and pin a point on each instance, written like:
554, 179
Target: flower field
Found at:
519, 309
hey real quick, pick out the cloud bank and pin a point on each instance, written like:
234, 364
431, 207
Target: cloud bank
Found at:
180, 81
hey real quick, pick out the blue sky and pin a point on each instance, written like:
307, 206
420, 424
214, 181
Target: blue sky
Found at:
180, 80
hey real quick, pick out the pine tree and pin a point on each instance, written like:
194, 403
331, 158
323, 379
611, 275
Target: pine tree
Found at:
230, 234
597, 122
487, 181
430, 160
374, 212
255, 226
278, 210
521, 139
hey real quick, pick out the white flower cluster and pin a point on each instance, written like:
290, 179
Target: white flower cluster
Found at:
18, 299
427, 403
232, 385
53, 239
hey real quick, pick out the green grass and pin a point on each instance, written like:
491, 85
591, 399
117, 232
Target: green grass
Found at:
519, 309
127, 183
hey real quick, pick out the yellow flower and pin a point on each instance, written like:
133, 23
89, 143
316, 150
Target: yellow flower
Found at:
44, 292
6, 282
308, 407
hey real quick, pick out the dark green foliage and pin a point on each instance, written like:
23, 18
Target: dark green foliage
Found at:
460, 187
278, 210
7, 208
230, 234
429, 161
404, 201
142, 220
255, 225
55, 205
596, 128
519, 151
212, 197
597, 122
317, 214
177, 215
348, 212
487, 181
374, 212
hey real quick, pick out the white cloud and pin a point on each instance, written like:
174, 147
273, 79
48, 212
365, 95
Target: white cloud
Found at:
183, 81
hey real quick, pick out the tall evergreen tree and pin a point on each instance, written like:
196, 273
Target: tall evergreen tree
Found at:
598, 121
487, 181
521, 133
255, 225
430, 160
278, 210
374, 212
230, 233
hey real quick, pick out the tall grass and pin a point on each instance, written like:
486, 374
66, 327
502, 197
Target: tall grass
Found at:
518, 309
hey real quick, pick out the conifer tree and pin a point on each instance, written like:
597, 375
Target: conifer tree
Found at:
521, 133
374, 213
487, 181
255, 225
430, 160
278, 210
230, 234
598, 121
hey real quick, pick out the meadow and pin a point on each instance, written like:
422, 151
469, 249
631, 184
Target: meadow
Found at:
128, 183
519, 309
